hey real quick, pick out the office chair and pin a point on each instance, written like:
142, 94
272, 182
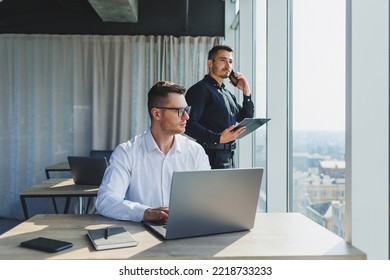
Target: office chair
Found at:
98, 153
101, 153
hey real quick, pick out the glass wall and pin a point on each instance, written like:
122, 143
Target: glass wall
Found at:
307, 83
246, 32
260, 88
317, 171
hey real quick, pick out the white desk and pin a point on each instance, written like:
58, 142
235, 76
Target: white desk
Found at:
275, 236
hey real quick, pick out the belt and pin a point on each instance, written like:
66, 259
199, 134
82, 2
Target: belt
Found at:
228, 146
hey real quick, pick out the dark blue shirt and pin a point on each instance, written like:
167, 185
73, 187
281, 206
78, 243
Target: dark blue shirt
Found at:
209, 112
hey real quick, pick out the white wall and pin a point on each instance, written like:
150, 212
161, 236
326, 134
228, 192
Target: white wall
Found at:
368, 126
277, 105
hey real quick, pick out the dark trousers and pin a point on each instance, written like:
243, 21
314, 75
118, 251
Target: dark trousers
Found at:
220, 159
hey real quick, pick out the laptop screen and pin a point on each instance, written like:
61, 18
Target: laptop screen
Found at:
87, 170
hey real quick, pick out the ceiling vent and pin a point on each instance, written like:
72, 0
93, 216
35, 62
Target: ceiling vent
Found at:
116, 10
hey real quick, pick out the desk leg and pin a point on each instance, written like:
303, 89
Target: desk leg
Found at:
24, 206
54, 204
81, 205
67, 204
47, 174
88, 205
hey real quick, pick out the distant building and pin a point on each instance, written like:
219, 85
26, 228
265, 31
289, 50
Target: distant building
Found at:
305, 161
325, 192
332, 168
319, 191
338, 217
321, 198
329, 215
321, 213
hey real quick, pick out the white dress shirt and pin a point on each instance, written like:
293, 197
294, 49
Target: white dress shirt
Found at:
139, 175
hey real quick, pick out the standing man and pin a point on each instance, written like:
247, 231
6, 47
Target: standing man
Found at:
136, 184
215, 110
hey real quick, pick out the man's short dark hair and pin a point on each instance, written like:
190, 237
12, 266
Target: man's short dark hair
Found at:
158, 94
213, 52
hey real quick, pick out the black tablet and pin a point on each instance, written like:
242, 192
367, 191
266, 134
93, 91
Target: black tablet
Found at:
46, 244
251, 125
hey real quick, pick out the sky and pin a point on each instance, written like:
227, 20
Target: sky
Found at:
318, 65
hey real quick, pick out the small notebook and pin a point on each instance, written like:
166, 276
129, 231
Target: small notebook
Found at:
46, 244
111, 238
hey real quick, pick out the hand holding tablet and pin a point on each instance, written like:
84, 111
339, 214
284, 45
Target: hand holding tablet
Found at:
251, 124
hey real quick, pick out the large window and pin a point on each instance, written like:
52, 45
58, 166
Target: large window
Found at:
317, 171
246, 32
260, 89
311, 40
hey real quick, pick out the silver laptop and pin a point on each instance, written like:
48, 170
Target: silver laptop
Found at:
87, 170
210, 202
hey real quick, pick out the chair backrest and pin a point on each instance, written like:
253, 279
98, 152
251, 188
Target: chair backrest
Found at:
101, 153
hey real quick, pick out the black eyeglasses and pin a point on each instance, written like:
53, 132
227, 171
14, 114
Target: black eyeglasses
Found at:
180, 111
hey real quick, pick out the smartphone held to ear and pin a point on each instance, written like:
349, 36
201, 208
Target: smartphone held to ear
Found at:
233, 78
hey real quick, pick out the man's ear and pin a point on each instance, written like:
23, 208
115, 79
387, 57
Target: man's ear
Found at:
156, 113
209, 63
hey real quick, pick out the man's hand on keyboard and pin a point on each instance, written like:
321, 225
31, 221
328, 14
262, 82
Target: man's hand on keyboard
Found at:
159, 214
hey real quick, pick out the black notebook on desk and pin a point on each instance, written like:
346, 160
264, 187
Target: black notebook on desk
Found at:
111, 238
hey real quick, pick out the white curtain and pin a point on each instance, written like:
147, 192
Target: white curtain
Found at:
67, 94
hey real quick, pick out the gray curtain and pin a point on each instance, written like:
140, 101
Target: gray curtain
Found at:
64, 95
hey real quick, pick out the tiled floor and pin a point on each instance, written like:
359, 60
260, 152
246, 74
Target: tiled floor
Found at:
7, 224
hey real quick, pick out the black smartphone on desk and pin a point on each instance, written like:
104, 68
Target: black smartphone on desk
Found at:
46, 244
233, 78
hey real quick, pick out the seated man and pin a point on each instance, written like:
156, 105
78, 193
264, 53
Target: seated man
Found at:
136, 184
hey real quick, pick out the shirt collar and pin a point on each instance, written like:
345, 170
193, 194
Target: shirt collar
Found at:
213, 82
151, 144
149, 141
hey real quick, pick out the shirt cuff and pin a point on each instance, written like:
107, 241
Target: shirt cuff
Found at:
139, 212
247, 98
